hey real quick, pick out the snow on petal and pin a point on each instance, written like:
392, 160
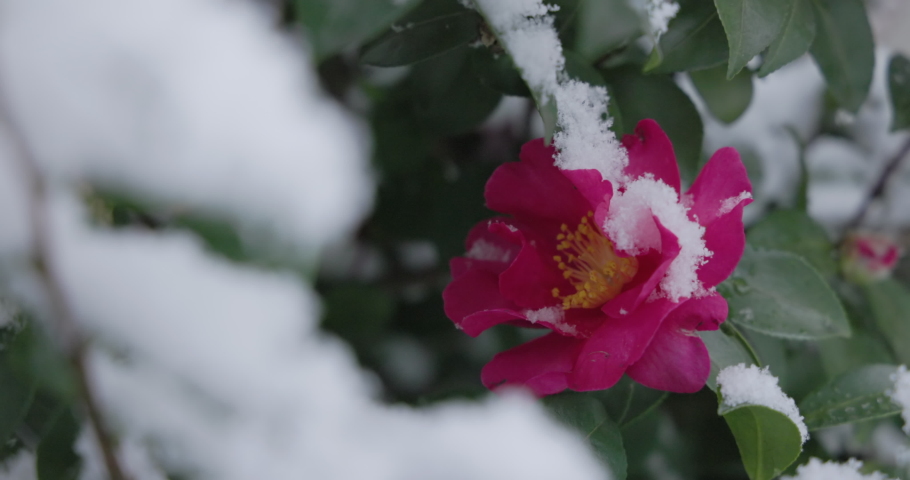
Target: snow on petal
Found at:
729, 204
741, 384
629, 224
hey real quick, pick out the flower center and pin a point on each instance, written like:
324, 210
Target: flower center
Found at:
591, 266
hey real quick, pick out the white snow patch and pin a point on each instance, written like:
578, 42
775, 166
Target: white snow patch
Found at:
630, 226
818, 470
742, 384
658, 12
19, 467
550, 315
585, 141
730, 203
901, 394
484, 250
192, 104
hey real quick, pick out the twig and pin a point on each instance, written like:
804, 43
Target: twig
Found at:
64, 322
878, 188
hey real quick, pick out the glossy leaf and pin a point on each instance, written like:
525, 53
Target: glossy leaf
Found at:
448, 97
726, 99
861, 394
585, 414
695, 39
629, 401
751, 25
55, 457
794, 40
779, 294
497, 72
794, 231
604, 25
844, 50
659, 98
727, 348
768, 440
890, 303
16, 396
899, 88
332, 25
422, 34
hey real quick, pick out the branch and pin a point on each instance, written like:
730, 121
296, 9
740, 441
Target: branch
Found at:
878, 188
62, 315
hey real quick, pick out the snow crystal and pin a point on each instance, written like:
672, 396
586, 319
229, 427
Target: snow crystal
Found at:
818, 470
901, 394
550, 315
484, 250
553, 316
658, 12
742, 384
585, 140
190, 103
730, 203
631, 227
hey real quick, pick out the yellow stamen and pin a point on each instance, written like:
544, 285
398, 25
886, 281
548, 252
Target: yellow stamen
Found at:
591, 266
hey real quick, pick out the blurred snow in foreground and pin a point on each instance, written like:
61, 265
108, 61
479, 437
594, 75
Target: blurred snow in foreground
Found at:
209, 368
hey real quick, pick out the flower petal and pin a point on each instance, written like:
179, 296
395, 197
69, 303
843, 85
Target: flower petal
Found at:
530, 279
718, 196
542, 365
618, 343
535, 189
677, 360
475, 290
650, 151
723, 178
651, 269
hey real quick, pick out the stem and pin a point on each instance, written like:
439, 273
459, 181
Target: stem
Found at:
878, 188
62, 317
729, 329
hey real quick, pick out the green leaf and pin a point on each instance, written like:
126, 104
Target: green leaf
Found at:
794, 39
727, 347
604, 25
890, 303
658, 97
629, 401
840, 355
768, 440
447, 96
16, 397
55, 458
694, 39
725, 99
333, 25
585, 414
844, 50
779, 294
497, 72
431, 29
794, 231
751, 25
859, 395
899, 87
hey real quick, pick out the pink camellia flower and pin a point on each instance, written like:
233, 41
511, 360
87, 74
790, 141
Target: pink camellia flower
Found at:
869, 256
623, 275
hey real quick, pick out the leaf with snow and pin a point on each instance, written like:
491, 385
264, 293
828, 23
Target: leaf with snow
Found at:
767, 426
